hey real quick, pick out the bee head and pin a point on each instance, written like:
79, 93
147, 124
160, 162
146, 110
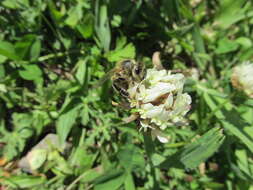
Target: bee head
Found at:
138, 71
127, 65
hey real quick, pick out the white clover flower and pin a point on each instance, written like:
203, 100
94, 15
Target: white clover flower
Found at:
242, 78
160, 101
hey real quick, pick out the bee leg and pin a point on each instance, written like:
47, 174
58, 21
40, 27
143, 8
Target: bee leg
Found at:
123, 105
131, 118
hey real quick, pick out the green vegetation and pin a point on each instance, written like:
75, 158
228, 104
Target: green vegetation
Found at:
53, 53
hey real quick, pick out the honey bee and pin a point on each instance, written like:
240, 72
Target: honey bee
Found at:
124, 74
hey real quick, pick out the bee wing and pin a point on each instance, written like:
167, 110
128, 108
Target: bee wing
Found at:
104, 78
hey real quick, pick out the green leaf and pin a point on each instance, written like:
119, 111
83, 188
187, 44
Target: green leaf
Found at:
81, 158
102, 26
2, 71
225, 46
172, 9
82, 73
74, 15
3, 88
23, 181
237, 131
198, 40
231, 12
196, 152
35, 49
31, 72
129, 182
67, 120
204, 147
85, 115
209, 91
244, 42
131, 158
214, 105
16, 139
107, 175
157, 159
244, 162
8, 50
56, 15
90, 175
230, 119
116, 21
61, 166
122, 51
199, 47
28, 47
12, 4
2, 59
86, 26
111, 182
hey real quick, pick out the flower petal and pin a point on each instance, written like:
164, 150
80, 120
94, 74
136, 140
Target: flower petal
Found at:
169, 101
150, 111
157, 91
160, 136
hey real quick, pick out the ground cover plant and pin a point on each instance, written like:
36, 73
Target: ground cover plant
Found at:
59, 129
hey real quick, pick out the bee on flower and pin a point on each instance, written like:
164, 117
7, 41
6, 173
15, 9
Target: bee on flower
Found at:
159, 100
242, 78
156, 95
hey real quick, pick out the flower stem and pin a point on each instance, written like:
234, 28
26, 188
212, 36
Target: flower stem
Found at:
150, 150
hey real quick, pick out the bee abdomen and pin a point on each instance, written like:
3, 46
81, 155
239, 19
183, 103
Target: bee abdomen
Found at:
121, 90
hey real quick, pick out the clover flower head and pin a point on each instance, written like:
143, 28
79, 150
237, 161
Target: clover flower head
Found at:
242, 78
160, 100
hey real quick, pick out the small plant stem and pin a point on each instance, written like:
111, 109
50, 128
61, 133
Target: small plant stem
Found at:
59, 54
218, 108
76, 181
176, 145
150, 149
